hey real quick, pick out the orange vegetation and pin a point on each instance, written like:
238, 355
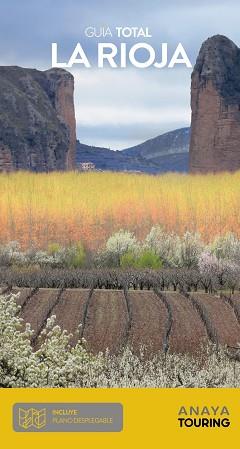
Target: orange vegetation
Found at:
36, 209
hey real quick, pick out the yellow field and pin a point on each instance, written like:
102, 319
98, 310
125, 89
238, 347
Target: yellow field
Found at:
65, 207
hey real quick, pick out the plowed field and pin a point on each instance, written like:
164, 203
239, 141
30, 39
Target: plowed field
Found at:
111, 318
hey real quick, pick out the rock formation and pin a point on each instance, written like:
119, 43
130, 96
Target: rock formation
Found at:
37, 120
215, 102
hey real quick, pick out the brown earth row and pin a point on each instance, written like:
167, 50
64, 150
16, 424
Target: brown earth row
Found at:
106, 321
188, 332
158, 321
220, 316
149, 318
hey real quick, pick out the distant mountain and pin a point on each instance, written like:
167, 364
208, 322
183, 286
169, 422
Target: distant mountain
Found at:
105, 159
173, 142
168, 152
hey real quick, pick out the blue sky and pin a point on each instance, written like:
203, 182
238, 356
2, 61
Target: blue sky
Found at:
117, 108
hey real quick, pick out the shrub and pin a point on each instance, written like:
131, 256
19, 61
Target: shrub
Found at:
11, 254
122, 249
118, 244
76, 256
148, 259
53, 249
128, 260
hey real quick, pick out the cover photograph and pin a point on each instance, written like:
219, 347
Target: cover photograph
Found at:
119, 223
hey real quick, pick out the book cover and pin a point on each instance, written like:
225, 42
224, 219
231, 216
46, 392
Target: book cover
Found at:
119, 223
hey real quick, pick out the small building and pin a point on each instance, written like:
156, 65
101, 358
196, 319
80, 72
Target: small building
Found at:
86, 166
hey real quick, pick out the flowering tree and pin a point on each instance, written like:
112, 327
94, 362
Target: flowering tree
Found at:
175, 251
189, 249
218, 272
164, 245
54, 364
226, 247
117, 245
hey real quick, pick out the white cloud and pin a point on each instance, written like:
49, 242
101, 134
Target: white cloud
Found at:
132, 97
112, 115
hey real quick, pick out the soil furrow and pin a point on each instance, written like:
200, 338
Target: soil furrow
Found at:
106, 321
85, 312
44, 312
166, 321
149, 318
129, 317
187, 333
162, 297
234, 301
203, 314
219, 317
71, 312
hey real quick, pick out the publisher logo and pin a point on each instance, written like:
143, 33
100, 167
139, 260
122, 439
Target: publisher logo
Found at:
67, 417
204, 416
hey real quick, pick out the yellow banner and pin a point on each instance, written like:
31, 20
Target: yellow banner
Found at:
154, 418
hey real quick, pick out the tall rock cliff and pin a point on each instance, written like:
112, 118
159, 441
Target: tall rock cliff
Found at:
215, 102
37, 120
